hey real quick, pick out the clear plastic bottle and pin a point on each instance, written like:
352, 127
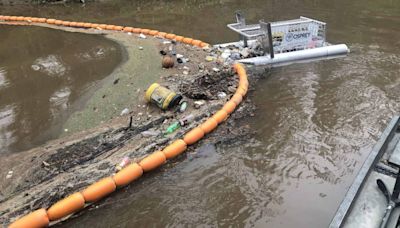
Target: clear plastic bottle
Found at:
125, 161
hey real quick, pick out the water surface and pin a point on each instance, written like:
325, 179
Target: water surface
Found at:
43, 75
314, 126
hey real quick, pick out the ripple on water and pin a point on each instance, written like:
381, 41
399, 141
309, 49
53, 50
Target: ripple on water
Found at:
7, 117
52, 65
4, 82
59, 101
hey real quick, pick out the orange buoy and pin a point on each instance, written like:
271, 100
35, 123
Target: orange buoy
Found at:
94, 26
193, 136
236, 66
103, 26
6, 18
153, 32
66, 23
57, 22
246, 88
136, 30
152, 161
73, 24
170, 36
109, 27
244, 82
118, 28
99, 189
20, 18
145, 31
128, 174
237, 98
30, 19
162, 34
2, 17
179, 38
12, 18
187, 40
229, 107
241, 71
242, 91
209, 125
128, 29
50, 21
35, 219
220, 116
174, 149
196, 43
80, 24
87, 25
66, 206
42, 20
203, 44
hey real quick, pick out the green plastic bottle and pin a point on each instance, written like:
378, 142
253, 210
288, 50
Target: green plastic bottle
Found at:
173, 127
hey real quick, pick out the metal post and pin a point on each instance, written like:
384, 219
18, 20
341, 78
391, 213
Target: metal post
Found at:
267, 34
242, 21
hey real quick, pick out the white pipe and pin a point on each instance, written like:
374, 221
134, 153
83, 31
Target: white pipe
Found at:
300, 56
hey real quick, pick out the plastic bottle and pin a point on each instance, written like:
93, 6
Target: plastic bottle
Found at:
187, 119
173, 127
125, 161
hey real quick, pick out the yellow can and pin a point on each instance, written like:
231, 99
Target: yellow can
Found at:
162, 97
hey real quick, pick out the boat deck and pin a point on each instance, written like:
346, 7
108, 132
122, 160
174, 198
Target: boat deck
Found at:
364, 204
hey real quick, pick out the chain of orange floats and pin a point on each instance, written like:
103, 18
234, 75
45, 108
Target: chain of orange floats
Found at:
76, 201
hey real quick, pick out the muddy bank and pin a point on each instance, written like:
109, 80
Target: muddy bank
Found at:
44, 175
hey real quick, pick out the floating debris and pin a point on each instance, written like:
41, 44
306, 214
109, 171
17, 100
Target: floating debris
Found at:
125, 111
210, 58
198, 104
125, 161
186, 120
173, 127
216, 69
167, 62
150, 133
221, 95
183, 106
9, 174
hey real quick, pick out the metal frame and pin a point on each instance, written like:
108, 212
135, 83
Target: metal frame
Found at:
359, 181
252, 31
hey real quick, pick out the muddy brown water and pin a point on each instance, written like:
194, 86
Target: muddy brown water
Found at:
44, 75
314, 126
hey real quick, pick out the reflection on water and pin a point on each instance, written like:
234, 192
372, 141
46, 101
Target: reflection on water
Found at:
7, 117
3, 79
315, 124
41, 77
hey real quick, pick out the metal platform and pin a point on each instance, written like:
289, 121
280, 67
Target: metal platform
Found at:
285, 42
290, 35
